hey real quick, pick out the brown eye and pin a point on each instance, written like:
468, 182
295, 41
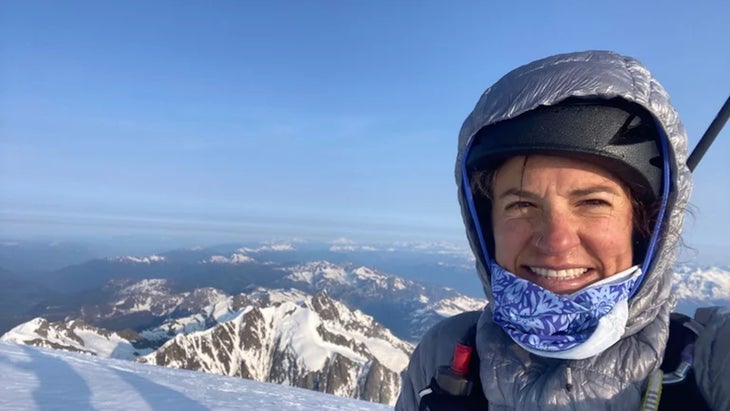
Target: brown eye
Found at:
595, 202
519, 205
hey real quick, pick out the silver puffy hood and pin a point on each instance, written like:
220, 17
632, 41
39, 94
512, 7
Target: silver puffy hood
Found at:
598, 74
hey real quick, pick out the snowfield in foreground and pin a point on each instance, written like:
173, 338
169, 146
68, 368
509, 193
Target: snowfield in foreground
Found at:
34, 378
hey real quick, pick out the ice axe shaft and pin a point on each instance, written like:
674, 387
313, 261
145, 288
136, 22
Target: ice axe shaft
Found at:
709, 136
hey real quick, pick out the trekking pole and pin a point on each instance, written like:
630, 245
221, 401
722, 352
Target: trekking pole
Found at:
709, 136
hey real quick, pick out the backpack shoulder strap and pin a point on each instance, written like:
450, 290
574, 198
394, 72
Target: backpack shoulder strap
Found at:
457, 387
679, 389
683, 331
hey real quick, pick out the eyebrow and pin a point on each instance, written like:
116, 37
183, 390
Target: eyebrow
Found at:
575, 193
517, 193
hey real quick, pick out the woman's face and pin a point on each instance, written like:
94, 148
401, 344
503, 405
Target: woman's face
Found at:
561, 223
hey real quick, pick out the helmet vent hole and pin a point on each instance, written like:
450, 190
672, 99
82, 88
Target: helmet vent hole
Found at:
634, 130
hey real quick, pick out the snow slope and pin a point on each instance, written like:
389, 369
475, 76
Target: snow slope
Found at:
34, 378
74, 336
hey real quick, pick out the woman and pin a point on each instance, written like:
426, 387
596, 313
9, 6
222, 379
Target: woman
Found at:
573, 186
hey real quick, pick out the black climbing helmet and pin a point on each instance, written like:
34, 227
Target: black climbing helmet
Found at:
619, 135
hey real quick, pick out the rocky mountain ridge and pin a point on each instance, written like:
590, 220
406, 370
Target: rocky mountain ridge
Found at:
307, 341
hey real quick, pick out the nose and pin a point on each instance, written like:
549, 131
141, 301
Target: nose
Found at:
556, 233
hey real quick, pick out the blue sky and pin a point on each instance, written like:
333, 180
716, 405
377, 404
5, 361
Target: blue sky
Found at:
232, 119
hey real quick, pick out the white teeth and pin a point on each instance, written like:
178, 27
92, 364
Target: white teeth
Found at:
567, 274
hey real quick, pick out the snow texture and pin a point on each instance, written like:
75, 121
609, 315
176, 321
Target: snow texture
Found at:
139, 260
77, 337
34, 378
235, 258
701, 286
286, 246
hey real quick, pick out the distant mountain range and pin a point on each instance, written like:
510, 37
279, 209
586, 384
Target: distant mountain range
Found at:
436, 263
254, 312
289, 313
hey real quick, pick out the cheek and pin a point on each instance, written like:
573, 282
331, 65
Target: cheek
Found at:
612, 242
510, 238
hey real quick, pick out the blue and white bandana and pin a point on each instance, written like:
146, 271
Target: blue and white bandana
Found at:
573, 326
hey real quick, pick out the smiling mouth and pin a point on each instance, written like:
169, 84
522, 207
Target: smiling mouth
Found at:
566, 274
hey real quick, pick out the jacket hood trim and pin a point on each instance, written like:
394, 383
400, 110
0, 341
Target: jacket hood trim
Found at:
654, 242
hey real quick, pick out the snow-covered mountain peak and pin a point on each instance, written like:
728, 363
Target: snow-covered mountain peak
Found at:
351, 247
285, 246
307, 338
316, 271
138, 260
149, 297
265, 296
235, 258
201, 297
701, 286
449, 307
369, 273
275, 304
75, 336
381, 280
290, 337
151, 287
322, 275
